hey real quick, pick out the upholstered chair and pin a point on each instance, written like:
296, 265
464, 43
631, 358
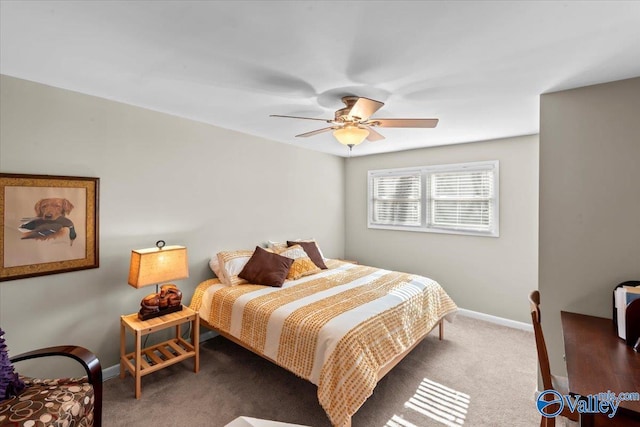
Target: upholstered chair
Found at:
56, 402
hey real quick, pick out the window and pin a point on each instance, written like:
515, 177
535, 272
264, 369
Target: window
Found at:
459, 199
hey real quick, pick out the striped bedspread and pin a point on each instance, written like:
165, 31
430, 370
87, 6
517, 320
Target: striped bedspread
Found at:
335, 329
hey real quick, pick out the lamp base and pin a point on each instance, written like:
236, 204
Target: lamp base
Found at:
159, 313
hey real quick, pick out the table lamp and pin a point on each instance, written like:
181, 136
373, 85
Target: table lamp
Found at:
154, 266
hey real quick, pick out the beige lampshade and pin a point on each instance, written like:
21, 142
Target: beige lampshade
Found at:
350, 135
152, 266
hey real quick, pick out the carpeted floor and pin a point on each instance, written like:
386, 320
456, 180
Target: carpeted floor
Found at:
491, 366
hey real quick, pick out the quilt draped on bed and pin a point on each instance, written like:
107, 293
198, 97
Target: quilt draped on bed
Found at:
335, 329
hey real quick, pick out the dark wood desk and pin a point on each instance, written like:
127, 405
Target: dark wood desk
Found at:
598, 361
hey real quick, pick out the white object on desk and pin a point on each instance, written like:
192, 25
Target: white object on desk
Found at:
621, 305
255, 422
623, 297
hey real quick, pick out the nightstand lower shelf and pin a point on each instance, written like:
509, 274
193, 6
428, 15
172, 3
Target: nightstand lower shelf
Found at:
160, 356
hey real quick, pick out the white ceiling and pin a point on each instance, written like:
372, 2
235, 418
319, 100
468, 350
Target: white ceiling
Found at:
477, 66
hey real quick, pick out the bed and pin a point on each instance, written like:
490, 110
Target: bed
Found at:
342, 328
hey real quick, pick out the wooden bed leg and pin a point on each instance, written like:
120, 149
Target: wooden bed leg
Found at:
441, 330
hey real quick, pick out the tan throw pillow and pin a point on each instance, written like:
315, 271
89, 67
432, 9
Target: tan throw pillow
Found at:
302, 264
266, 268
311, 249
214, 264
231, 264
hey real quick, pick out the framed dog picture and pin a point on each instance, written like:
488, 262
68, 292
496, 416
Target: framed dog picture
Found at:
49, 224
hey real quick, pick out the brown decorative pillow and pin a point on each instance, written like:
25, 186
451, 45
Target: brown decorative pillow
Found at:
266, 268
312, 250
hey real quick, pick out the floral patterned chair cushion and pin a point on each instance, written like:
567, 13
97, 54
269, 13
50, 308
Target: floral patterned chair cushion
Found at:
61, 402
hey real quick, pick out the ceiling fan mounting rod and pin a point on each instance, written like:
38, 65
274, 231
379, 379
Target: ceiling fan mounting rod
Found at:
350, 100
342, 115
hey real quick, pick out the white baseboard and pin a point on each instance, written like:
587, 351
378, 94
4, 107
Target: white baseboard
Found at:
110, 372
208, 335
495, 319
114, 371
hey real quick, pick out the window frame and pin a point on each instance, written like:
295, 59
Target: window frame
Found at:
425, 197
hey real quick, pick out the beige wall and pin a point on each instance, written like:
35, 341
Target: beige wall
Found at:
589, 201
485, 274
161, 177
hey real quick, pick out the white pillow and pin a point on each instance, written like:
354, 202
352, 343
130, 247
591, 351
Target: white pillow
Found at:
276, 245
282, 245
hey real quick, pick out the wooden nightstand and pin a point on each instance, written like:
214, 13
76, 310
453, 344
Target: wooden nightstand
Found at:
144, 361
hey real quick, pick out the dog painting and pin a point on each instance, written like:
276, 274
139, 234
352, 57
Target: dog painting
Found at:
48, 224
44, 225
51, 220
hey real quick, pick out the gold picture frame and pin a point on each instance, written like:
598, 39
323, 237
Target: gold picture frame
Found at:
48, 224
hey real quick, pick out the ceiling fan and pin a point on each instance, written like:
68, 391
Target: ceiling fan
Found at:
353, 124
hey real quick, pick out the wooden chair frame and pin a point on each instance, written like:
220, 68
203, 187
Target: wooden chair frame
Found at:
543, 360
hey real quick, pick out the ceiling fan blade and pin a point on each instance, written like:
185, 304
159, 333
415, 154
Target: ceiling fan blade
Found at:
297, 117
404, 123
373, 135
315, 132
364, 108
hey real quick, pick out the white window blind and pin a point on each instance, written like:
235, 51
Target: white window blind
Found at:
396, 200
458, 198
462, 200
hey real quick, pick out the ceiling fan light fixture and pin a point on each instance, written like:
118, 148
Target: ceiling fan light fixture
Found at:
350, 135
